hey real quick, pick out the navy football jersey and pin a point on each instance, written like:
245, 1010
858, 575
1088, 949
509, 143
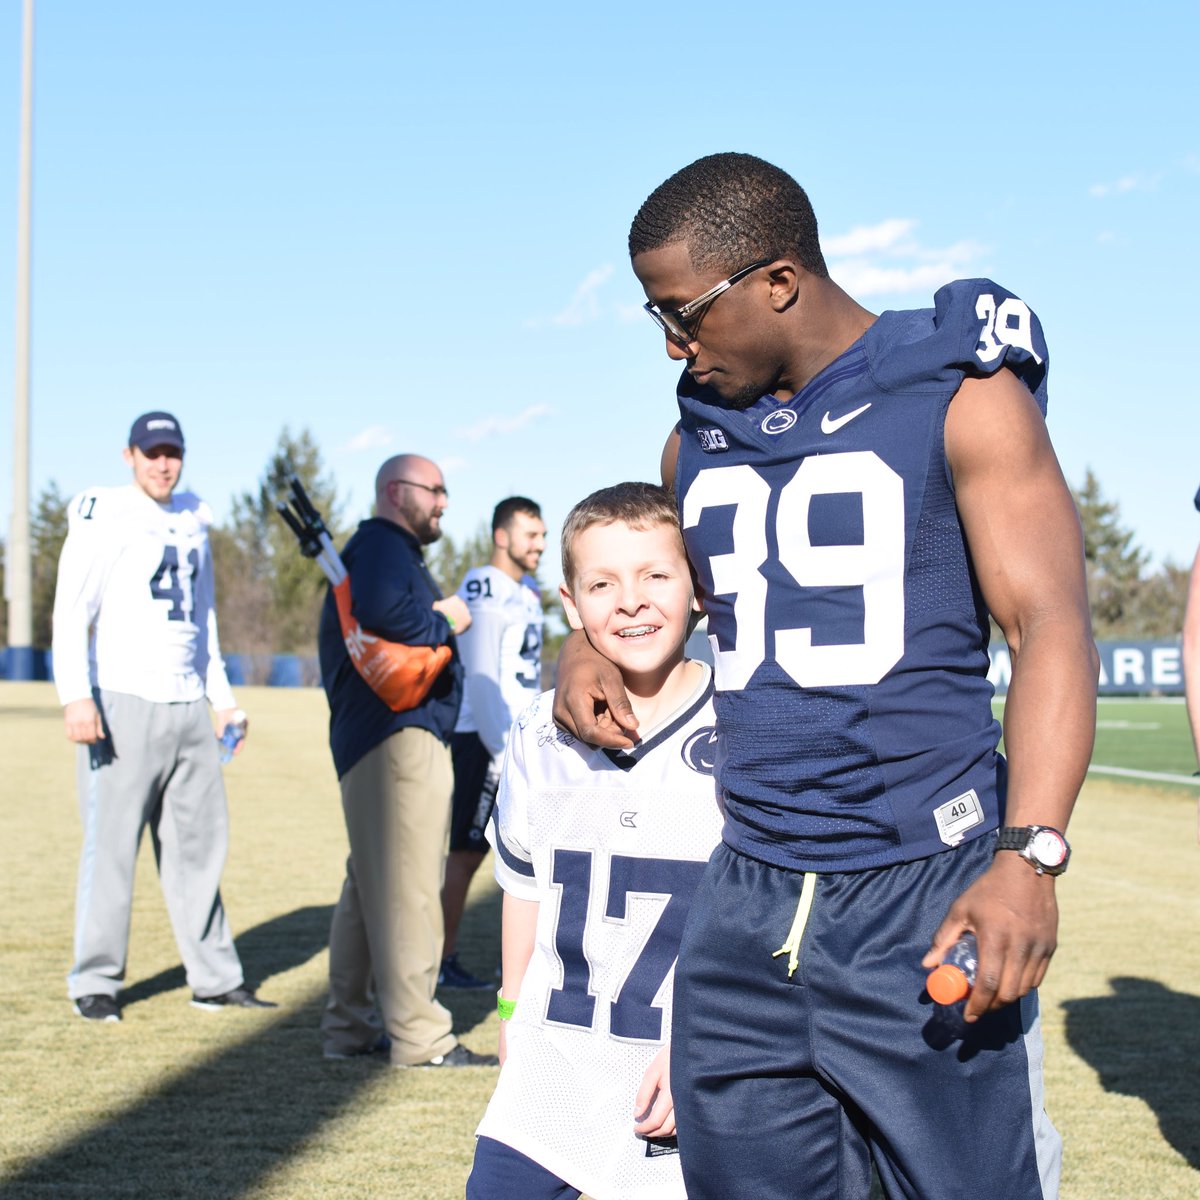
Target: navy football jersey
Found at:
849, 636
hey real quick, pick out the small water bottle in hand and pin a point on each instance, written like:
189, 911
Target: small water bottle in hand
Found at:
232, 735
949, 985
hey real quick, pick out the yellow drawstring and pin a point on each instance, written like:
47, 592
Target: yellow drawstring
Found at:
792, 946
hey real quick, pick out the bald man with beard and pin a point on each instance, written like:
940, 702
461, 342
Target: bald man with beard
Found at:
394, 770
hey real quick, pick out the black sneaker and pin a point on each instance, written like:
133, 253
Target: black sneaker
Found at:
240, 997
382, 1046
98, 1008
460, 1056
452, 975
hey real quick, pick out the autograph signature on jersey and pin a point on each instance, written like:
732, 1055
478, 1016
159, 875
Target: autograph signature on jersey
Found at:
550, 735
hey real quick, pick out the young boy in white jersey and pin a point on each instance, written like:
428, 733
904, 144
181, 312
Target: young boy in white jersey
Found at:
599, 853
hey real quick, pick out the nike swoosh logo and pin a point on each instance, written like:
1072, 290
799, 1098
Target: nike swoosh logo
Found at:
828, 425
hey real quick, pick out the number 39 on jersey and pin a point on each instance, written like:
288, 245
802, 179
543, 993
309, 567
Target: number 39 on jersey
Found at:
874, 567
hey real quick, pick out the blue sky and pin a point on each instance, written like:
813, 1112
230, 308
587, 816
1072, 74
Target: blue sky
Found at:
403, 227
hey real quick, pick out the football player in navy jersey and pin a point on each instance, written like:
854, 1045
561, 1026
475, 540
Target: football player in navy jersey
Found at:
857, 493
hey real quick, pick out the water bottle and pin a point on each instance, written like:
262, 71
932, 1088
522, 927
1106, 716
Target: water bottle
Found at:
231, 735
949, 985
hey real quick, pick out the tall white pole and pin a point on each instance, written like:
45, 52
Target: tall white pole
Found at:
19, 564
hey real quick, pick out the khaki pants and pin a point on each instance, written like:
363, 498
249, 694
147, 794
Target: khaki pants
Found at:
385, 943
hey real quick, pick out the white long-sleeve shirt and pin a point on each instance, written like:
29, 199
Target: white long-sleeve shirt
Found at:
501, 653
133, 607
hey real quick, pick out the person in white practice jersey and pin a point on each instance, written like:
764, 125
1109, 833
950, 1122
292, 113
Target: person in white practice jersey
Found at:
599, 853
136, 665
502, 661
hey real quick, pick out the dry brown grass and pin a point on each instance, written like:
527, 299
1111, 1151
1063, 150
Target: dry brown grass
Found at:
176, 1102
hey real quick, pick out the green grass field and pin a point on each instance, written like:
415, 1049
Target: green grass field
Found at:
176, 1102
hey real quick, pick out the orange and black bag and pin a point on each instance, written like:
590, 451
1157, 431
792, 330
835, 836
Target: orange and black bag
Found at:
399, 675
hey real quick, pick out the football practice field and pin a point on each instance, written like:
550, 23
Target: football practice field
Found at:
177, 1103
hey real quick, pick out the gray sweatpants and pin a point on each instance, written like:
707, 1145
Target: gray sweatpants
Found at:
159, 767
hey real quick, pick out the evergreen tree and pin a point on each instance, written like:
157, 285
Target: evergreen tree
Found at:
3, 594
269, 596
47, 532
1125, 602
449, 560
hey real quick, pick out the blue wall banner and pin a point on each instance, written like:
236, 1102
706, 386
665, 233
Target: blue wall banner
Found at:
1126, 668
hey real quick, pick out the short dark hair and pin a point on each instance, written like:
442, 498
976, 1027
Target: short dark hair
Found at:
730, 210
638, 505
502, 515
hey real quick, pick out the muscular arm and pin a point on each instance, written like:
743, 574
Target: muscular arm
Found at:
1191, 663
590, 700
1191, 654
1027, 547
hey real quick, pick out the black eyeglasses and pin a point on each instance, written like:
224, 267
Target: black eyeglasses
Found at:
675, 322
433, 491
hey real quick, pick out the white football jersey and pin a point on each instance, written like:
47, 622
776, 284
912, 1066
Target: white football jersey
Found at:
501, 653
611, 844
133, 607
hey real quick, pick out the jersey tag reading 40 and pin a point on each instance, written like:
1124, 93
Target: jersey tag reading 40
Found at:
957, 816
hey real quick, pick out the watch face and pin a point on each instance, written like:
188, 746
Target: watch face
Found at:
1047, 848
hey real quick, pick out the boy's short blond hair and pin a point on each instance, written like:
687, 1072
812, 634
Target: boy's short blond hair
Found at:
638, 505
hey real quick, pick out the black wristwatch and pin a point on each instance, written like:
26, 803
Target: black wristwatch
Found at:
1042, 847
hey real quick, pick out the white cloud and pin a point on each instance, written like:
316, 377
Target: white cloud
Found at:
371, 438
584, 305
493, 426
887, 258
1124, 185
863, 239
866, 279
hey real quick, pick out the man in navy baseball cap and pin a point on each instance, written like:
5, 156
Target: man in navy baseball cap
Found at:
155, 429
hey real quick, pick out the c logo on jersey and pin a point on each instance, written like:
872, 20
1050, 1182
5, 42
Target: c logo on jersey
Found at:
700, 750
779, 421
628, 821
712, 440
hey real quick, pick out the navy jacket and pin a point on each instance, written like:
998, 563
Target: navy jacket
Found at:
392, 593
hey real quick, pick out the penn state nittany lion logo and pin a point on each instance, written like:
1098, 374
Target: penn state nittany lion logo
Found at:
700, 750
779, 421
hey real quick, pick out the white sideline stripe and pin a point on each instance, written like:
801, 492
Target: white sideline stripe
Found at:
1190, 780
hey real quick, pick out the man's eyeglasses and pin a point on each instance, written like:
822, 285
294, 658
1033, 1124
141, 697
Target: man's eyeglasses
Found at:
676, 323
439, 490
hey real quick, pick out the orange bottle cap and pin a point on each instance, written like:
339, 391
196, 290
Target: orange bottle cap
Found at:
947, 984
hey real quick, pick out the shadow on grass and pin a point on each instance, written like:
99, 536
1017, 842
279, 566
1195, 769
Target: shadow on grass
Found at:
218, 1130
1144, 1041
272, 948
479, 950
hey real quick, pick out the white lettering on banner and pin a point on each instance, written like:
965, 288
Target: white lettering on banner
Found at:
1165, 669
1129, 666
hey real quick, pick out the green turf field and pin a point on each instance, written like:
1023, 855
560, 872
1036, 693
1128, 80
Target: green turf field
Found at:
179, 1103
1144, 739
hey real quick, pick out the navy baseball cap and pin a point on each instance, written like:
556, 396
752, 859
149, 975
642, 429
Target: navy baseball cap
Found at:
155, 429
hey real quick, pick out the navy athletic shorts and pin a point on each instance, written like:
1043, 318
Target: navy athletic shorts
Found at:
476, 779
502, 1173
790, 1086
